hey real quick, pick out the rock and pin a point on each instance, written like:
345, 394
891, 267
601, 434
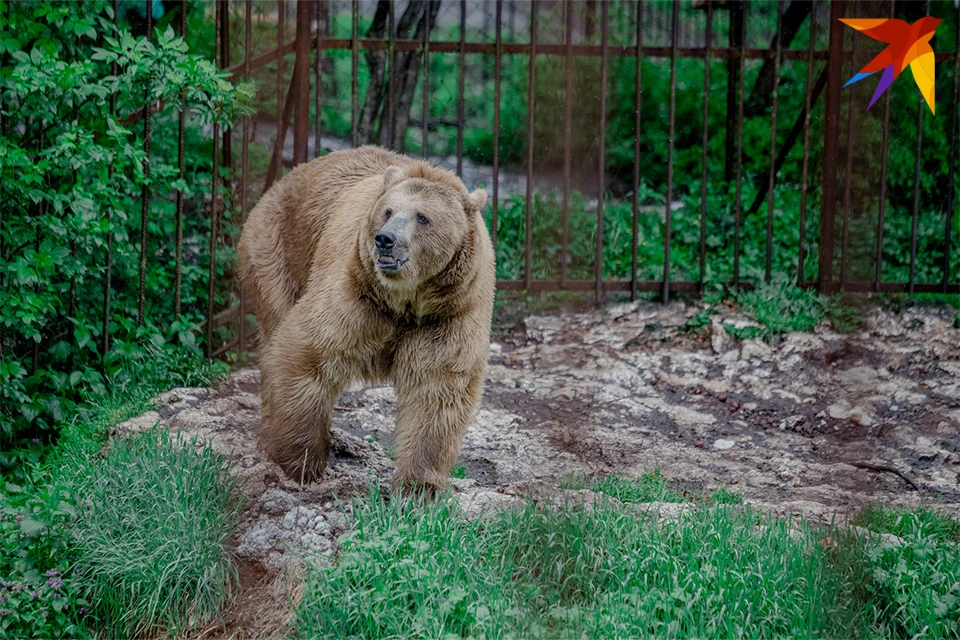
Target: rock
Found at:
859, 376
276, 502
298, 517
143, 422
476, 502
843, 410
723, 445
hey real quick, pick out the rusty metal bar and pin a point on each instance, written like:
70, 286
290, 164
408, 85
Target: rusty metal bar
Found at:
460, 81
705, 143
670, 145
105, 342
916, 188
637, 104
878, 263
567, 139
181, 124
390, 114
602, 180
318, 81
281, 133
498, 54
354, 62
245, 156
806, 142
225, 62
848, 179
772, 176
145, 190
300, 86
531, 109
954, 126
738, 205
426, 77
831, 133
585, 50
214, 213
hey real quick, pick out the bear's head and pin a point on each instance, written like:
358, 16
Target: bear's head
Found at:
419, 224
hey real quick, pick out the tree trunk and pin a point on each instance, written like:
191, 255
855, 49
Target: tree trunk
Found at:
381, 103
762, 95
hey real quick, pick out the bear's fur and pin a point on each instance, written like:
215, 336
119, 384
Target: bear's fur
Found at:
335, 306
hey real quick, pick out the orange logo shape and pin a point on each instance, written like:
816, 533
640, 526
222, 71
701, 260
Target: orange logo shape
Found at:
909, 44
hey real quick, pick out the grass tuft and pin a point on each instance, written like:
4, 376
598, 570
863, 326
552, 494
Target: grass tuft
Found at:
782, 307
151, 537
725, 496
902, 522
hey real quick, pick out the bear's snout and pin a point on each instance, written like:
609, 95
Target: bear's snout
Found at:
385, 241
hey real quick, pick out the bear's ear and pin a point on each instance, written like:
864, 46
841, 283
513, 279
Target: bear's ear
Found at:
392, 176
477, 199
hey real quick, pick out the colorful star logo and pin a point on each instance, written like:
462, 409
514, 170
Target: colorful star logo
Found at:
909, 45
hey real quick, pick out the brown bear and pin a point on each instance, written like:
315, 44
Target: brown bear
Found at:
364, 264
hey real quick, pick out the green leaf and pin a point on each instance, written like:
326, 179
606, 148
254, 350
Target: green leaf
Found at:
31, 526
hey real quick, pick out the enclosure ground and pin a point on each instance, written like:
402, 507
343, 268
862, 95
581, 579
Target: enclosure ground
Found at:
811, 424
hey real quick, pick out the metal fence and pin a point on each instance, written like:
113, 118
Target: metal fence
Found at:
665, 33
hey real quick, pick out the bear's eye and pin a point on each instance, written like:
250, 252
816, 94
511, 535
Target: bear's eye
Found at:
388, 213
422, 219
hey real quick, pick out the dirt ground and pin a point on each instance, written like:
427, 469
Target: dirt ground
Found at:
813, 424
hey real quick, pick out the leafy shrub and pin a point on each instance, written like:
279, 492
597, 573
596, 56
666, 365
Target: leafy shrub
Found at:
71, 173
151, 537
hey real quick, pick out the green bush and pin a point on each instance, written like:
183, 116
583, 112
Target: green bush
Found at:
151, 535
71, 173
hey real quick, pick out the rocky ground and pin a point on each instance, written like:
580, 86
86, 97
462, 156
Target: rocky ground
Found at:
814, 424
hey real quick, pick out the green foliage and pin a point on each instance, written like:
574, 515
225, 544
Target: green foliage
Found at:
782, 307
71, 173
649, 487
151, 537
41, 557
902, 522
459, 472
544, 571
40, 593
700, 322
725, 496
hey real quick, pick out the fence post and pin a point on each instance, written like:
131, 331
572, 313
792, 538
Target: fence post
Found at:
301, 83
831, 137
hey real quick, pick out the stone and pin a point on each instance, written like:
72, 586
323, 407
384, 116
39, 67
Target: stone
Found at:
723, 445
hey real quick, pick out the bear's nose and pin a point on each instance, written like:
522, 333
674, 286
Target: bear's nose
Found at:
385, 240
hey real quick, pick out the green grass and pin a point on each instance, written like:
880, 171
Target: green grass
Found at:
649, 487
782, 307
725, 496
459, 472
902, 522
151, 535
542, 571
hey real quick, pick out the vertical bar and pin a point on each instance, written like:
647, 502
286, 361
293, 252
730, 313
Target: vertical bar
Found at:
318, 82
567, 139
878, 261
426, 77
354, 62
301, 84
278, 147
916, 188
705, 142
181, 124
771, 179
734, 40
952, 163
602, 178
214, 213
806, 142
531, 109
105, 344
497, 55
391, 80
670, 144
848, 178
145, 190
637, 100
460, 79
738, 205
245, 153
224, 63
831, 132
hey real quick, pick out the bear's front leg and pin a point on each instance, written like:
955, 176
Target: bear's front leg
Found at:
438, 388
300, 389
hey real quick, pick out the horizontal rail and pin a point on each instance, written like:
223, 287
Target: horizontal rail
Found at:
377, 44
